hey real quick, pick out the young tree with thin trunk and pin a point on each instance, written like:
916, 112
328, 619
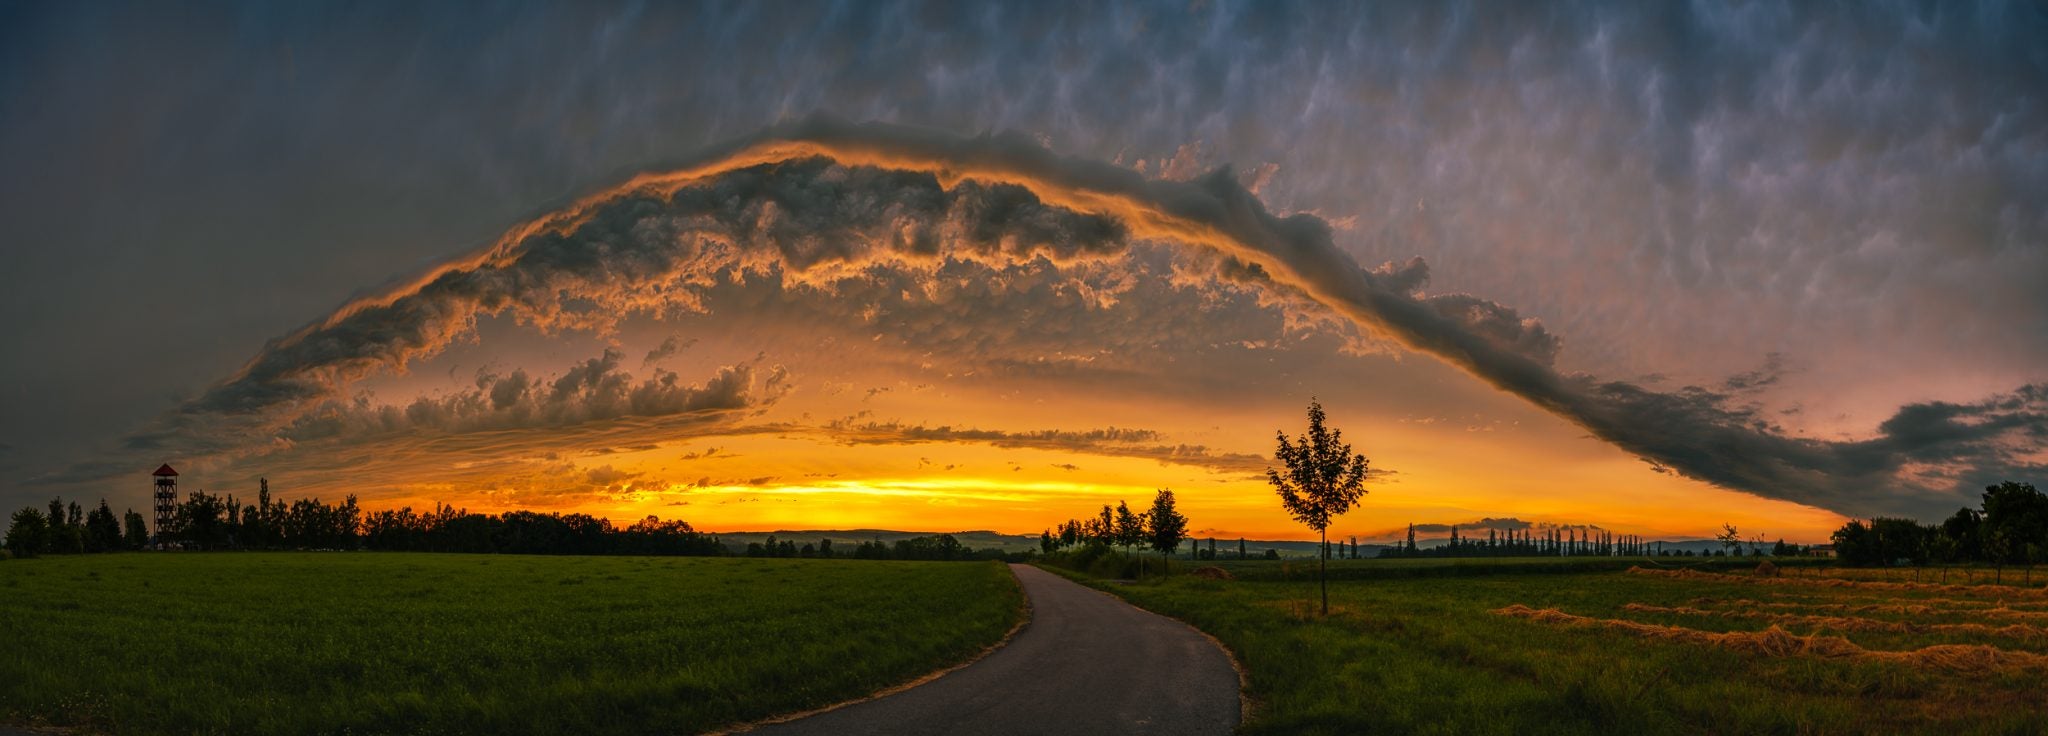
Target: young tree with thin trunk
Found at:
1129, 530
1323, 479
1729, 538
1166, 525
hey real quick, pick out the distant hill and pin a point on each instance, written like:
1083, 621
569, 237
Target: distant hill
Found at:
986, 539
849, 538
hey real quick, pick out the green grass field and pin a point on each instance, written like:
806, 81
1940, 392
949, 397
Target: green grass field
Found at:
385, 642
1408, 654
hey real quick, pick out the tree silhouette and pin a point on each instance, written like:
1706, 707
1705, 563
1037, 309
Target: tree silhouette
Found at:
60, 537
102, 529
25, 532
1323, 479
1129, 529
135, 532
1729, 538
2020, 514
1168, 526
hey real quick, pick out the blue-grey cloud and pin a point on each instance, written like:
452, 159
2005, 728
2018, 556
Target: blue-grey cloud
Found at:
775, 199
1857, 188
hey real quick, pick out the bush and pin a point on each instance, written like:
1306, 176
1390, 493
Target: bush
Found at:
1098, 561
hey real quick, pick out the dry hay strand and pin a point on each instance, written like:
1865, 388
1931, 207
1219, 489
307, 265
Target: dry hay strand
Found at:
1982, 590
1777, 642
1300, 609
1212, 573
1852, 623
1545, 615
1903, 609
2009, 614
1835, 622
1926, 607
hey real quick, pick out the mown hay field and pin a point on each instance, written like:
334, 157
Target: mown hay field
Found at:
1639, 652
283, 643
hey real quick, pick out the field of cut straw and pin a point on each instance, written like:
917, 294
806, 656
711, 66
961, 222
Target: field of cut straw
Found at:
1645, 651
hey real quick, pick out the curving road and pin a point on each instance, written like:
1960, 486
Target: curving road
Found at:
1087, 663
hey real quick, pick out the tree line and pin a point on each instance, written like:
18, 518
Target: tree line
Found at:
1555, 542
932, 547
2010, 527
204, 521
69, 529
1161, 528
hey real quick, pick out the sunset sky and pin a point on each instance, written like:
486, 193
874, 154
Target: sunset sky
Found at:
943, 266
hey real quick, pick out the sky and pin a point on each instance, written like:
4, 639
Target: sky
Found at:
950, 266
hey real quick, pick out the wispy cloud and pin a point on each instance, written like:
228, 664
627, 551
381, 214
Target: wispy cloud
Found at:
1110, 441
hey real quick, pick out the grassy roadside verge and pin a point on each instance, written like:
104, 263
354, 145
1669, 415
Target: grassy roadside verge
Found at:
1428, 655
375, 643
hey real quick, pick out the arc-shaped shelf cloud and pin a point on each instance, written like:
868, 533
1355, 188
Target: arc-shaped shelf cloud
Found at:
823, 194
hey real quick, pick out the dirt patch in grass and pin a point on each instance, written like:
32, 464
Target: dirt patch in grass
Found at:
1777, 642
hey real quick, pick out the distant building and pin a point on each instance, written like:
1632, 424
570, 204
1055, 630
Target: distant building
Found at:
1821, 550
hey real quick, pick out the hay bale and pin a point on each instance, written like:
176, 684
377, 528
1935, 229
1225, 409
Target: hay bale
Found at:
1212, 573
1766, 570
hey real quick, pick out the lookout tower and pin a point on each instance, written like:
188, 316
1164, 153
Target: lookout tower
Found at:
166, 497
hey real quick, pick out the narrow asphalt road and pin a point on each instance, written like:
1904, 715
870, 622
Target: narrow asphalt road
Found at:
1088, 663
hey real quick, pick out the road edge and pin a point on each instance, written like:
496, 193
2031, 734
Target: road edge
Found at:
1022, 620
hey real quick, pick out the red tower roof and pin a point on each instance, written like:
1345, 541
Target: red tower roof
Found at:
165, 470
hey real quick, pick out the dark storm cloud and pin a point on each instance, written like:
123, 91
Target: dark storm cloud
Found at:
595, 390
1924, 459
627, 254
1858, 185
624, 251
594, 406
667, 348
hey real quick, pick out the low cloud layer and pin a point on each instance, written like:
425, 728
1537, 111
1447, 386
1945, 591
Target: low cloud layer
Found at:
595, 390
1114, 442
822, 201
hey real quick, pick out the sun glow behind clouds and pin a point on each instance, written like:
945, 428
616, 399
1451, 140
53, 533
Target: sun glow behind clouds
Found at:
965, 264
803, 464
